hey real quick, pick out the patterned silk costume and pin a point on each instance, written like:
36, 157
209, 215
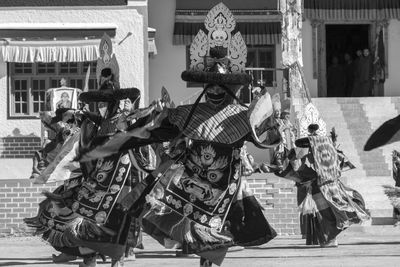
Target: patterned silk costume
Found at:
327, 206
86, 215
198, 200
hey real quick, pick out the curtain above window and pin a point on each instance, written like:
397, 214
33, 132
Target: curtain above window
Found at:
258, 27
49, 51
52, 42
352, 9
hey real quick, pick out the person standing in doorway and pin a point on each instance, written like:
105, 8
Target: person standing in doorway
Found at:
357, 82
365, 69
336, 79
349, 70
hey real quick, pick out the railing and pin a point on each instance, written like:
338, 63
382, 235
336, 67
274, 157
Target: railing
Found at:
261, 77
264, 77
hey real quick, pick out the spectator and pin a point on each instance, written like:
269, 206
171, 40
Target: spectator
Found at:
357, 85
349, 69
336, 79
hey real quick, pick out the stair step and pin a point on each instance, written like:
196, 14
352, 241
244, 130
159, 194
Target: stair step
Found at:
381, 229
376, 173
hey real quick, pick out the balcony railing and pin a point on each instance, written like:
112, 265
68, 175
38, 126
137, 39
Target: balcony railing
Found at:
261, 77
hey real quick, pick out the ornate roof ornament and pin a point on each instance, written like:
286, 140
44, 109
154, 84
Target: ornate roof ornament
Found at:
309, 116
218, 56
107, 63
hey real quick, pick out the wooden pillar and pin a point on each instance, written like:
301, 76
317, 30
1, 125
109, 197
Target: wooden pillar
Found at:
379, 89
319, 55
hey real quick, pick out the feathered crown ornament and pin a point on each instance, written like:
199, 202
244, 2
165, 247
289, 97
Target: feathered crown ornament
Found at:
309, 123
310, 116
107, 66
107, 74
218, 57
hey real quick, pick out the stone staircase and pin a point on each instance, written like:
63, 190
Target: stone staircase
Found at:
355, 119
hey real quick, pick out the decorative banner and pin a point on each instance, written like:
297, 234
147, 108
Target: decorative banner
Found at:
291, 32
293, 60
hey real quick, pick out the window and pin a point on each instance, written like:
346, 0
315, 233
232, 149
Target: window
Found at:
260, 65
29, 82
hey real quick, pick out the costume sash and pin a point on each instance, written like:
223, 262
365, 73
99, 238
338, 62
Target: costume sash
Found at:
100, 192
326, 158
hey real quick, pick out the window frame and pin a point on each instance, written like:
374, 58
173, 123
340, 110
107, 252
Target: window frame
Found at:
258, 49
49, 78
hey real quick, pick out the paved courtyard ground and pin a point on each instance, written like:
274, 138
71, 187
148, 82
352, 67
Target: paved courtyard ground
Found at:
355, 249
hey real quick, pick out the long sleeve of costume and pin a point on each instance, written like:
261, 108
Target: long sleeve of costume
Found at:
139, 134
165, 132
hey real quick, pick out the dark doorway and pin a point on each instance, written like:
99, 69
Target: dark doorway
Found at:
342, 39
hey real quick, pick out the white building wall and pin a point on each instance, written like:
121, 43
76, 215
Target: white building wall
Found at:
130, 53
166, 67
392, 84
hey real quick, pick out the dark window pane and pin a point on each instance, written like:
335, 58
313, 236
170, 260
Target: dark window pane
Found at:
46, 68
92, 84
35, 96
76, 83
17, 85
35, 84
17, 108
24, 108
51, 68
39, 85
17, 96
24, 85
23, 68
24, 96
251, 59
64, 68
41, 106
27, 67
36, 107
55, 83
41, 68
79, 84
73, 67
